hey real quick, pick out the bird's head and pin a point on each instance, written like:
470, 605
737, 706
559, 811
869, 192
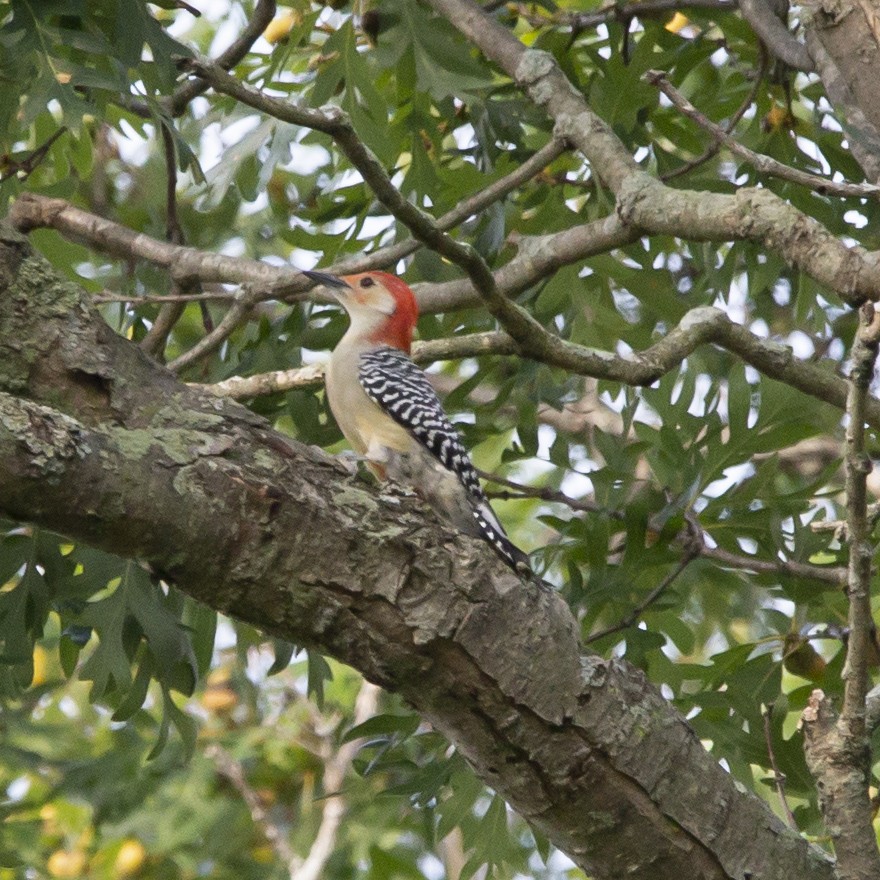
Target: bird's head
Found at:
381, 306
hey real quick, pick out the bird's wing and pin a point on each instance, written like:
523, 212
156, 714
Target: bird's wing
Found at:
402, 390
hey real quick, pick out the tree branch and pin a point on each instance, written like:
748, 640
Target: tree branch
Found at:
278, 534
838, 749
701, 326
775, 35
764, 164
648, 205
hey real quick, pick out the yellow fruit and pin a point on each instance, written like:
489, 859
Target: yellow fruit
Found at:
219, 699
677, 22
66, 865
41, 663
130, 858
777, 118
280, 27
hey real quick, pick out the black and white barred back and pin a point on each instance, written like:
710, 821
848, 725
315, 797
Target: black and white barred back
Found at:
402, 390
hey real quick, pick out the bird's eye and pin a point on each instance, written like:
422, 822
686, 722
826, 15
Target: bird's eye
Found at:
367, 282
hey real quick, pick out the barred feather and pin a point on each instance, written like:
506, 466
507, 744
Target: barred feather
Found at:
391, 380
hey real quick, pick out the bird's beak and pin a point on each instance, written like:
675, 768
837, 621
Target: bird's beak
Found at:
334, 282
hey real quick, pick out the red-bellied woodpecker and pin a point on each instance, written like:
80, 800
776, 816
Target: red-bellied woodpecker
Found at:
390, 414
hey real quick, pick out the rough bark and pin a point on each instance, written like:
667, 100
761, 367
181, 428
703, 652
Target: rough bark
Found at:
842, 38
102, 444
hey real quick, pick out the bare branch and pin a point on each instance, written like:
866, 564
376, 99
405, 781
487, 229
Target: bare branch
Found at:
632, 618
23, 168
838, 749
775, 35
701, 326
858, 465
778, 775
728, 127
238, 311
336, 768
232, 770
641, 9
765, 164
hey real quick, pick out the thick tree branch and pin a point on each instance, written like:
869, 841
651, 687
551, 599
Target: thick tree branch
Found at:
842, 39
98, 442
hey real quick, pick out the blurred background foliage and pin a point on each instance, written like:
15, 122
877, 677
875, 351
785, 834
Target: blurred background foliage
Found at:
142, 737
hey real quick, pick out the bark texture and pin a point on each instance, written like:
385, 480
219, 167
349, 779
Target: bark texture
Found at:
843, 38
100, 443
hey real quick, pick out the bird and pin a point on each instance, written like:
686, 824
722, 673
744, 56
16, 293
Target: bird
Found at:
390, 414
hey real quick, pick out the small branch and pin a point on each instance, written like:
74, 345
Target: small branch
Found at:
701, 326
238, 311
169, 314
857, 465
691, 552
336, 768
778, 775
184, 264
580, 21
23, 168
729, 126
775, 35
832, 575
231, 769
107, 297
264, 12
544, 493
764, 164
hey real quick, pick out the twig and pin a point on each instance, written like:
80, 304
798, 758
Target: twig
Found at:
246, 299
649, 600
336, 768
107, 297
775, 35
232, 770
169, 314
763, 163
23, 168
833, 575
692, 548
778, 775
580, 21
729, 126
857, 465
